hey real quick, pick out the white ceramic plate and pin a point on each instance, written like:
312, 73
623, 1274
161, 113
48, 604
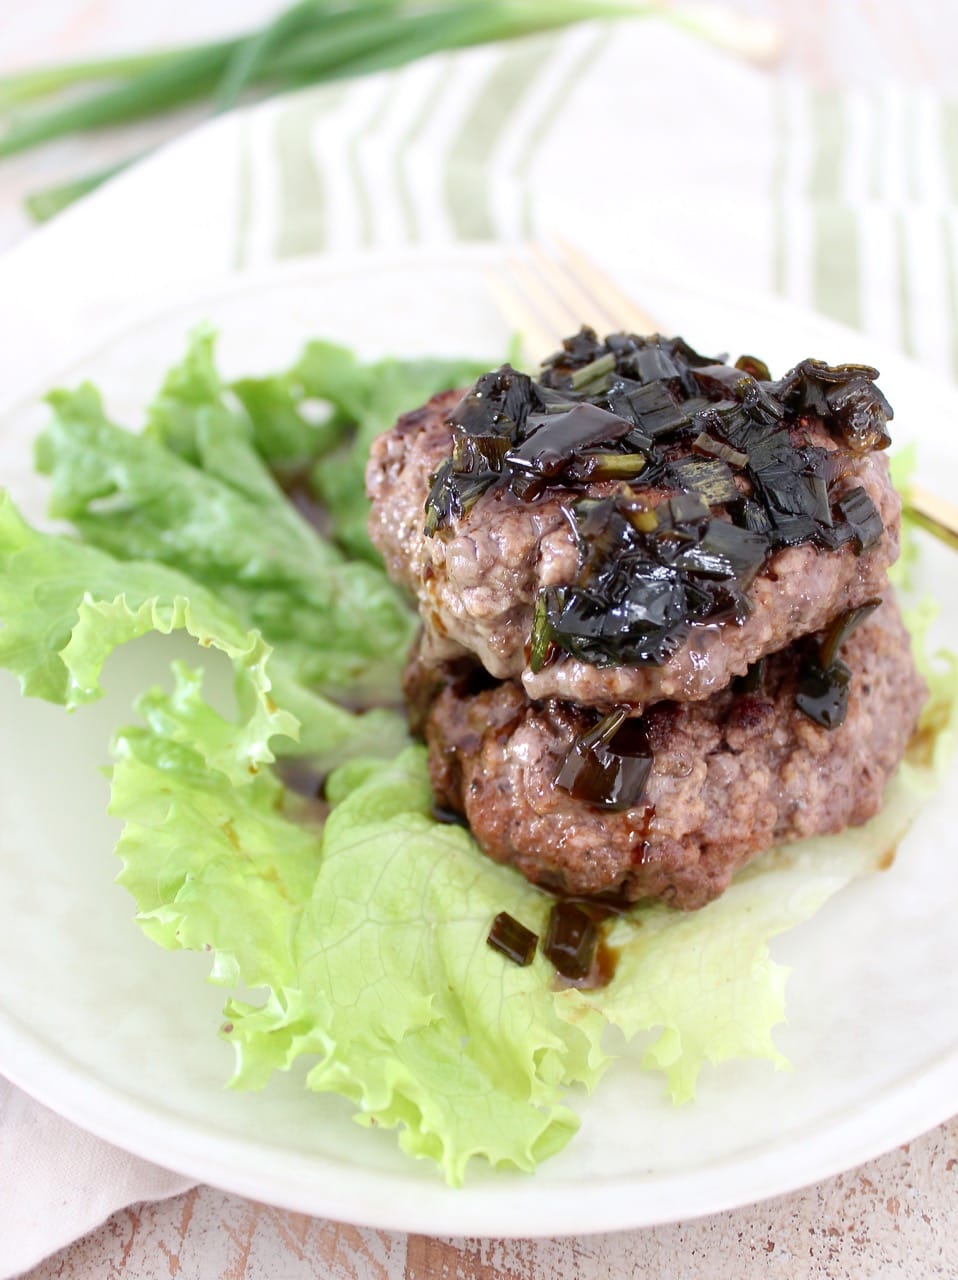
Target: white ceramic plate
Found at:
120, 1036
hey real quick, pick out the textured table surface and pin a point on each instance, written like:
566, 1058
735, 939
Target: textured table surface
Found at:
892, 1217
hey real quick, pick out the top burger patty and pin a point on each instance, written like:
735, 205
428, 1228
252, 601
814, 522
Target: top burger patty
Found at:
623, 540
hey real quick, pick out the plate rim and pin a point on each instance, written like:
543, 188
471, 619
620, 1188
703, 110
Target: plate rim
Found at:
101, 1110
107, 1111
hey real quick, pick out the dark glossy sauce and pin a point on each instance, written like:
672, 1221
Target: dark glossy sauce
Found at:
604, 964
722, 474
593, 967
823, 694
601, 972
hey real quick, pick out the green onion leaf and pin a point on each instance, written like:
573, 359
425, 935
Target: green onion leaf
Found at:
842, 627
593, 371
710, 478
512, 939
823, 693
540, 642
45, 204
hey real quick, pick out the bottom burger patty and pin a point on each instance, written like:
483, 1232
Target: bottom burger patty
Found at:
730, 777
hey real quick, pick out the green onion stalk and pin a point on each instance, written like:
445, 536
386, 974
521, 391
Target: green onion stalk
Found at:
311, 42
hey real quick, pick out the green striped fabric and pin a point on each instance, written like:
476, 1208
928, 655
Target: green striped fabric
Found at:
301, 180
468, 160
846, 201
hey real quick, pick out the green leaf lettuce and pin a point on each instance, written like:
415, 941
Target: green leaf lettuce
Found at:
362, 924
368, 936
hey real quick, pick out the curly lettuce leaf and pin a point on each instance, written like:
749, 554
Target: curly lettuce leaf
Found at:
221, 519
318, 419
190, 511
365, 933
65, 606
291, 418
368, 937
196, 844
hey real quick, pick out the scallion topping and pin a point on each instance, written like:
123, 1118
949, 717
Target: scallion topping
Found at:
752, 365
823, 686
593, 371
643, 520
608, 766
571, 940
845, 398
862, 518
710, 478
540, 642
649, 416
704, 443
513, 939
842, 627
608, 466
823, 693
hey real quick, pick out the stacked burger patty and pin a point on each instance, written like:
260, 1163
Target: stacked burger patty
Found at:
657, 632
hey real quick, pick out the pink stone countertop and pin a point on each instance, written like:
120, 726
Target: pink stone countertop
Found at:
894, 1216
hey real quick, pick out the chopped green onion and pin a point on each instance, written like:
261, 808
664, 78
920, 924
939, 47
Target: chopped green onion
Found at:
710, 478
540, 642
593, 371
726, 551
863, 518
705, 443
842, 627
571, 940
752, 365
310, 42
601, 734
823, 693
608, 766
643, 521
512, 939
555, 442
612, 466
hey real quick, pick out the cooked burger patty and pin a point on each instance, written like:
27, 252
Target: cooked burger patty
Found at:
730, 777
477, 580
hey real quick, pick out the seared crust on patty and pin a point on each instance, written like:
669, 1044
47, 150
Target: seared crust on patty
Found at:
731, 776
476, 582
